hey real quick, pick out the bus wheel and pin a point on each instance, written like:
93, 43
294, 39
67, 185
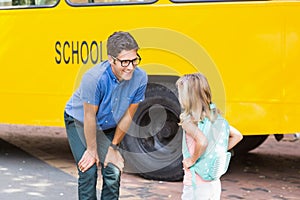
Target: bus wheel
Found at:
249, 143
152, 146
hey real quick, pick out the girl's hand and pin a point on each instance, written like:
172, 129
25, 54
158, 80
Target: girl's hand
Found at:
187, 163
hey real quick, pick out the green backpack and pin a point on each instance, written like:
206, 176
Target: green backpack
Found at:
214, 162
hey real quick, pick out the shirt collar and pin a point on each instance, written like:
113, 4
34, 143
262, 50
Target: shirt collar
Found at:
112, 75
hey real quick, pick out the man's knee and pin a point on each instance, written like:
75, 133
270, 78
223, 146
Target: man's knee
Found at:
89, 175
111, 175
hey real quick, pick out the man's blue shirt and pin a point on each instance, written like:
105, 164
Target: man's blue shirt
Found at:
99, 86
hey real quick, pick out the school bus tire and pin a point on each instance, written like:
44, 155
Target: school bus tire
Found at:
150, 152
249, 143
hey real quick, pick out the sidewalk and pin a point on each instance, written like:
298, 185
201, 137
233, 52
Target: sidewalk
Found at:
26, 177
47, 170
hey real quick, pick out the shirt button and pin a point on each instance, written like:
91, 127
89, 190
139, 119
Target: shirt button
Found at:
106, 121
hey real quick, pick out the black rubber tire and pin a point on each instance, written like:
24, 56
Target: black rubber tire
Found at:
152, 146
249, 143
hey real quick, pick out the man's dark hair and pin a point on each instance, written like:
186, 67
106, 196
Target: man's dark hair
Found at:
120, 41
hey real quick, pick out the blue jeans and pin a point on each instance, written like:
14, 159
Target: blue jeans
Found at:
87, 180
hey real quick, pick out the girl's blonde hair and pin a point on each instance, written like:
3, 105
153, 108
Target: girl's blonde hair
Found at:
195, 98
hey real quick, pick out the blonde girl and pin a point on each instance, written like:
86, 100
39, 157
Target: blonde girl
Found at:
195, 99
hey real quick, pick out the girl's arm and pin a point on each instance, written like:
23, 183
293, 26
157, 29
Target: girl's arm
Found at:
234, 137
200, 142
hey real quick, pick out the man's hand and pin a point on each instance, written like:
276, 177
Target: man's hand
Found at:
114, 157
87, 160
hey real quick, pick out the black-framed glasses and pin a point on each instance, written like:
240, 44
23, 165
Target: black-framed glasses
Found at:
126, 63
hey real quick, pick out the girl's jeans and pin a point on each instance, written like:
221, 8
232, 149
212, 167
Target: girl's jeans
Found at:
87, 180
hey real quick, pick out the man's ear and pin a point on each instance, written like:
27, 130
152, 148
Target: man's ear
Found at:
110, 60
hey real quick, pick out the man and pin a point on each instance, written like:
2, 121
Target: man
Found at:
100, 112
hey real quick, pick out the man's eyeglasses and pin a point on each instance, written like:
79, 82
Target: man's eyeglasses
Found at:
126, 63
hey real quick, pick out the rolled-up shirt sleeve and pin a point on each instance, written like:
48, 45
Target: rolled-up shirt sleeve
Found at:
140, 93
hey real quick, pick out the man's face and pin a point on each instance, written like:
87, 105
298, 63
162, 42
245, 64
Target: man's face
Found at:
124, 64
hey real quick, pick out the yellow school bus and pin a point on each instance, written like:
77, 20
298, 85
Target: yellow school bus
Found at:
249, 50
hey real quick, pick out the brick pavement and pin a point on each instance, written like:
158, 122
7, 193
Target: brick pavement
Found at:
271, 171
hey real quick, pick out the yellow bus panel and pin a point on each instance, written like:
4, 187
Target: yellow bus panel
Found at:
248, 50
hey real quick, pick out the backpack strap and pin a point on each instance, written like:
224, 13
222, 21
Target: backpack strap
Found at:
205, 126
201, 126
185, 151
186, 154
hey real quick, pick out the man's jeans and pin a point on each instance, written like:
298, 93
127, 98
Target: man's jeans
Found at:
88, 180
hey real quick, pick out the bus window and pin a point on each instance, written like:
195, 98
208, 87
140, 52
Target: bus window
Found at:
9, 3
213, 1
4, 3
110, 1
